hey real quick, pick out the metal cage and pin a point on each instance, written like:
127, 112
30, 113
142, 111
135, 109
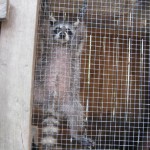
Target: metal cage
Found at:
114, 73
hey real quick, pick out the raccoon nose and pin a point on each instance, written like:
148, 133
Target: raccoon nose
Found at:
62, 35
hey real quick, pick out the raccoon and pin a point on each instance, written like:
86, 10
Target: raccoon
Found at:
57, 82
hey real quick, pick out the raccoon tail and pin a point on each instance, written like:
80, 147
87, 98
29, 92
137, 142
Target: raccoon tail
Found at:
49, 132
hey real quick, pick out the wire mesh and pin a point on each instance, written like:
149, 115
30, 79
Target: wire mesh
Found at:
94, 95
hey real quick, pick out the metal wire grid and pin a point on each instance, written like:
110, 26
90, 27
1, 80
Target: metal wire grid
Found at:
114, 75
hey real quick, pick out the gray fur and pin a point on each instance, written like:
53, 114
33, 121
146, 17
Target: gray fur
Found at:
83, 10
57, 86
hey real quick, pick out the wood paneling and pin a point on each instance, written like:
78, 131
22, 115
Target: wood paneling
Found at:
4, 9
17, 41
116, 96
109, 70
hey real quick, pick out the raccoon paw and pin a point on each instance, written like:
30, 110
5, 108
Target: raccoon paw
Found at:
84, 141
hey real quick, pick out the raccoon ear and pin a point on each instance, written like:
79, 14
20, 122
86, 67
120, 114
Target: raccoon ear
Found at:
76, 24
52, 20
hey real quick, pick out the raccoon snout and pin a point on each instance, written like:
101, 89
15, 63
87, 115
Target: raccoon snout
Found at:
62, 35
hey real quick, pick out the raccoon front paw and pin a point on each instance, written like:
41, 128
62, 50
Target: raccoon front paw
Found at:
84, 141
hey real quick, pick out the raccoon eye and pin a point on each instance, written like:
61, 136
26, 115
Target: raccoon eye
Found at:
69, 31
57, 30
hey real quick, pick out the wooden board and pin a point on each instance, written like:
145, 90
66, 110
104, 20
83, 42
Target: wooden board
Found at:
4, 7
17, 43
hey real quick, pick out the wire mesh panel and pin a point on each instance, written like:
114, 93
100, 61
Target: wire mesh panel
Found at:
91, 86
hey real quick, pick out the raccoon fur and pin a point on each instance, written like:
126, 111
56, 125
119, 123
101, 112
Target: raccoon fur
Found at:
57, 82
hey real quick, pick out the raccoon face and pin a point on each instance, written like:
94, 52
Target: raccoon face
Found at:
63, 32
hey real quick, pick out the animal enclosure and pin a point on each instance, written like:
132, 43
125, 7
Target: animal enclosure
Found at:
90, 86
114, 72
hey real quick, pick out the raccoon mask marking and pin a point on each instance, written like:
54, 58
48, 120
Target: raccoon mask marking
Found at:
62, 31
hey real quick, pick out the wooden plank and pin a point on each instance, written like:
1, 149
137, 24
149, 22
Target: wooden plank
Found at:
17, 43
4, 7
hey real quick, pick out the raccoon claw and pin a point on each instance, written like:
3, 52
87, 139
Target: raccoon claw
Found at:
86, 142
